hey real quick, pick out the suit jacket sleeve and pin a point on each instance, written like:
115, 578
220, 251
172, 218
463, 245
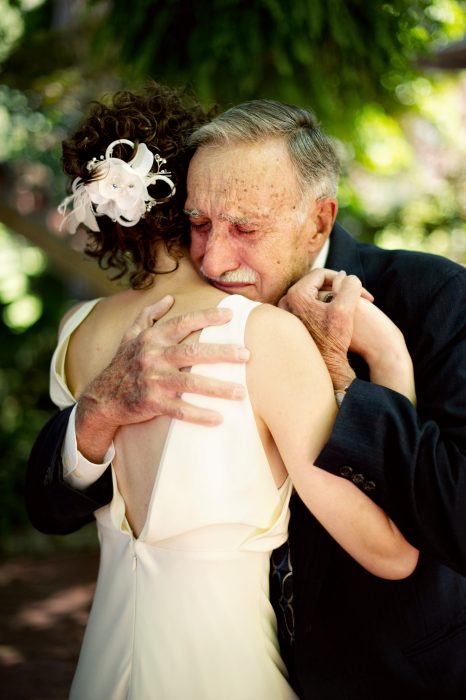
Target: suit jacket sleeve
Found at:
52, 506
412, 461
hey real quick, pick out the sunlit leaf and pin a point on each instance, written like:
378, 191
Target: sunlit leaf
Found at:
23, 313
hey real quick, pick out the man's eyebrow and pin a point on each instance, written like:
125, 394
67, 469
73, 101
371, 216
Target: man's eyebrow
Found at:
235, 220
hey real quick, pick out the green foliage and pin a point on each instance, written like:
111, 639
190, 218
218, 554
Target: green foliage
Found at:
431, 223
25, 353
327, 54
11, 27
404, 184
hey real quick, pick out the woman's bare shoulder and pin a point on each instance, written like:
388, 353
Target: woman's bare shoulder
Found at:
95, 340
106, 312
267, 321
281, 346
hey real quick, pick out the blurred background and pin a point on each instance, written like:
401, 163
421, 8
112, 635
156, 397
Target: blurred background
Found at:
384, 78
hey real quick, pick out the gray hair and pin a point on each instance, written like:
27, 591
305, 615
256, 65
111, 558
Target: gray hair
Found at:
311, 151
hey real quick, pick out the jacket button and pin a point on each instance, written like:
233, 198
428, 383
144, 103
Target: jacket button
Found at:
358, 479
346, 472
369, 486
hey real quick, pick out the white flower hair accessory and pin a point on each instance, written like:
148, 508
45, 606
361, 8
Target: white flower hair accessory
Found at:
118, 191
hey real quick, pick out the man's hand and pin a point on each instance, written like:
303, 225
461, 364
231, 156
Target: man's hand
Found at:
145, 378
326, 303
336, 310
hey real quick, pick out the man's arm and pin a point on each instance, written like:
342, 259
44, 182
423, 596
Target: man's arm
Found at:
145, 379
410, 457
53, 506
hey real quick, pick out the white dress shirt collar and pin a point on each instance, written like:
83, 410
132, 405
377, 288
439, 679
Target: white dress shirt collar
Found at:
321, 258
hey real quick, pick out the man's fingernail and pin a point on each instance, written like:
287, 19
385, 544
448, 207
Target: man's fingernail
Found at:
238, 392
243, 354
214, 419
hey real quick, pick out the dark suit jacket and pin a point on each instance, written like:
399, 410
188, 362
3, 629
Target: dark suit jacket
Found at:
358, 636
53, 506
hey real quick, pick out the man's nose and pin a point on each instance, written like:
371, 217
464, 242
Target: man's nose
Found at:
219, 255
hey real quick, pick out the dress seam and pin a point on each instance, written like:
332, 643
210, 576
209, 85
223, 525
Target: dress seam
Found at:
134, 562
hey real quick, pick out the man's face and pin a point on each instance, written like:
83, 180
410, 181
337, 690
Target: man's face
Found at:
252, 231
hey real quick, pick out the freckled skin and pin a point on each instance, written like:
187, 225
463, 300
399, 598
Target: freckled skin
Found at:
249, 213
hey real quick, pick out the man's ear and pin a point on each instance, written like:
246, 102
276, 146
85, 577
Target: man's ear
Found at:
324, 215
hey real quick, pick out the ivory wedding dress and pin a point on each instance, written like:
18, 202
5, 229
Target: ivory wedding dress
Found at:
182, 612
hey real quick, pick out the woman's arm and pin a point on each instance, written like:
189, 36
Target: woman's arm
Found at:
292, 394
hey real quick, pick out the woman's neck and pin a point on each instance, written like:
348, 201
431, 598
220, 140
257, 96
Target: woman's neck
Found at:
179, 278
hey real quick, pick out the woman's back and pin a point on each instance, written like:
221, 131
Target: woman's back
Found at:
96, 340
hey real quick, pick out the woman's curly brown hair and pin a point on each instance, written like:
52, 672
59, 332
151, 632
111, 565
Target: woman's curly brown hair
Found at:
162, 118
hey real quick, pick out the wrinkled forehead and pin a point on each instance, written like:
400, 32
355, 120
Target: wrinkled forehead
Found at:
258, 175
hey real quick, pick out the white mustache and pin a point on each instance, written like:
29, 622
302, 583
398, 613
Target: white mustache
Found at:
243, 275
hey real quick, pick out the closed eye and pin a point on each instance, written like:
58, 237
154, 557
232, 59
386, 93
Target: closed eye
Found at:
203, 226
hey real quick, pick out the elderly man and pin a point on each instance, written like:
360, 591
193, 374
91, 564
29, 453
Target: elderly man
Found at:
262, 206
